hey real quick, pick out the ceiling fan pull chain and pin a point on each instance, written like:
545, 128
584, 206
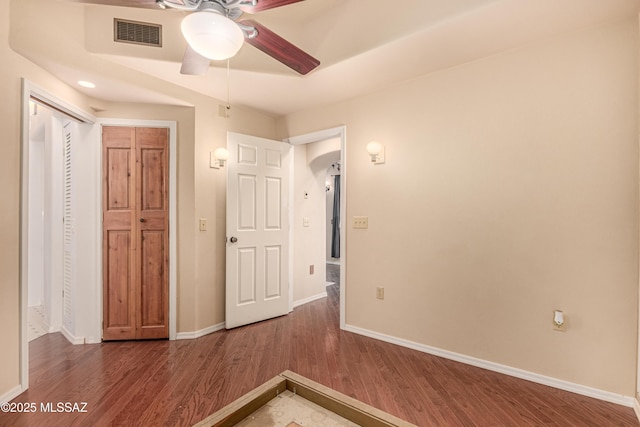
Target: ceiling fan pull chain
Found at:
228, 84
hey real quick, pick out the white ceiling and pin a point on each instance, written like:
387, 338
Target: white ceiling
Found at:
363, 45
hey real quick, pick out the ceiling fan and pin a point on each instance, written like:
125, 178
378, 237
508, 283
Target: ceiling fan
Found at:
213, 31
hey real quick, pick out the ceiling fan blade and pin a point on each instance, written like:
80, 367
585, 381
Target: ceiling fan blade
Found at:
193, 63
147, 4
267, 4
280, 49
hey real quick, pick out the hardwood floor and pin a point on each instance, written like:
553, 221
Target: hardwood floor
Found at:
178, 383
333, 273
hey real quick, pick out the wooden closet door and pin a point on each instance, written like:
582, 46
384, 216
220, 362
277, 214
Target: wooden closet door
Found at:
152, 238
135, 233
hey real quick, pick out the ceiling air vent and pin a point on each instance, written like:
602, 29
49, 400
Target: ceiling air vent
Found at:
137, 32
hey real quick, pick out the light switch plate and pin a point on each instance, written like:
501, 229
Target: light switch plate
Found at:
203, 224
360, 222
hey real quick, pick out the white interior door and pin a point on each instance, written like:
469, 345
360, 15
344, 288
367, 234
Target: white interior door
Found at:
257, 285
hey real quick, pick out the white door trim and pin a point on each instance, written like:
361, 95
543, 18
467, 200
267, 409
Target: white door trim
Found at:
173, 274
337, 132
30, 90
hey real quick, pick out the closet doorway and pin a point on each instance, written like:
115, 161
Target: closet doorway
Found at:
46, 212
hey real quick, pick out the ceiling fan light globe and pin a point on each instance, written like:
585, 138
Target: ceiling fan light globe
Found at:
212, 35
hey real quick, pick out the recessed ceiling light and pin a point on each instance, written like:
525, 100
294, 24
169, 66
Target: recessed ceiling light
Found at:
84, 83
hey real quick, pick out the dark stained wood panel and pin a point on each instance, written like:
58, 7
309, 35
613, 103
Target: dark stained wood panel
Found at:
267, 4
147, 4
178, 383
280, 49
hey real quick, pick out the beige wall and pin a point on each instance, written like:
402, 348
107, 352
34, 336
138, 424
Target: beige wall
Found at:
510, 189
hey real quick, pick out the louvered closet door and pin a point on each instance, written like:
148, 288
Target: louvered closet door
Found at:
68, 238
135, 233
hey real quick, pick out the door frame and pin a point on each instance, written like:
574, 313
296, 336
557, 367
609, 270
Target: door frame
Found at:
337, 132
33, 91
173, 274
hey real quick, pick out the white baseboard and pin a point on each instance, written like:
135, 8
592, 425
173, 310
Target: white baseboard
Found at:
636, 407
503, 369
309, 299
11, 394
70, 337
220, 326
200, 333
92, 340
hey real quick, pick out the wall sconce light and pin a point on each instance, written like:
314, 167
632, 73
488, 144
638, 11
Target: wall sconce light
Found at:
559, 321
376, 151
218, 158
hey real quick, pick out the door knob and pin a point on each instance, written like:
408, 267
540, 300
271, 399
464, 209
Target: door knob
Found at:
142, 220
233, 239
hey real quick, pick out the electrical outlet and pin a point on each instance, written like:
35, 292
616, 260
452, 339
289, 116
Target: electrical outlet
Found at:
360, 222
380, 292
